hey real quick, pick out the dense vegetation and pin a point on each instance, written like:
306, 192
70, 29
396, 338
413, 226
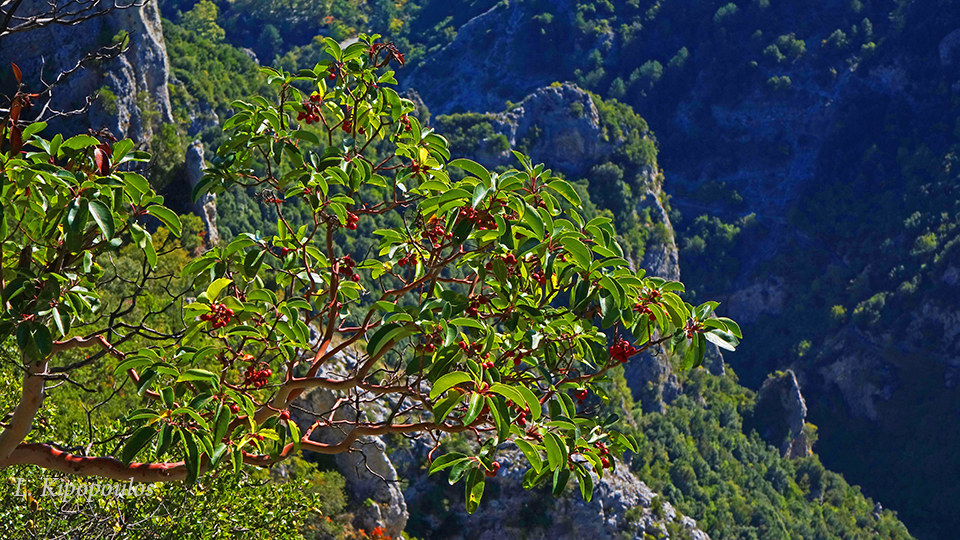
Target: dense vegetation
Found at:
701, 458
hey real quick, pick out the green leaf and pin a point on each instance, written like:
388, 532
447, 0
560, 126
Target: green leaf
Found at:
446, 460
448, 381
532, 402
555, 452
215, 288
473, 168
58, 320
532, 454
136, 442
533, 220
387, 333
78, 142
445, 405
722, 339
479, 193
474, 490
508, 392
104, 218
566, 191
167, 216
586, 484
560, 478
474, 408
196, 374
579, 251
192, 458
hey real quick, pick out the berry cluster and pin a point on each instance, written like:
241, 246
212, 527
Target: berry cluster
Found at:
311, 109
410, 258
344, 268
256, 376
644, 309
480, 218
219, 314
516, 359
352, 220
435, 233
604, 452
406, 123
416, 168
622, 350
539, 277
492, 471
475, 303
581, 395
693, 328
522, 415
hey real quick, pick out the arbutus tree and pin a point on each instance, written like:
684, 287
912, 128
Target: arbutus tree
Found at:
492, 309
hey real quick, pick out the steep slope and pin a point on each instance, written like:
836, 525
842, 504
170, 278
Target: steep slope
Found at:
818, 141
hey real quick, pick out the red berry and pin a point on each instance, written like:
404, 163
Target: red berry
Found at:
234, 408
285, 415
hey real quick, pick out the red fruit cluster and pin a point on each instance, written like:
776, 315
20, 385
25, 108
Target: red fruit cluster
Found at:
602, 448
345, 268
255, 376
622, 350
311, 109
352, 220
480, 218
522, 415
516, 359
539, 277
417, 168
220, 315
581, 395
492, 471
411, 258
643, 309
234, 408
475, 303
435, 233
406, 123
284, 415
694, 328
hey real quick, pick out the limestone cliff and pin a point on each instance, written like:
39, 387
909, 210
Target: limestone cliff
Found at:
622, 507
780, 413
132, 89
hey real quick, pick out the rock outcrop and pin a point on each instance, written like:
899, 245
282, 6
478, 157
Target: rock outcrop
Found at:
371, 478
206, 207
132, 89
780, 413
622, 507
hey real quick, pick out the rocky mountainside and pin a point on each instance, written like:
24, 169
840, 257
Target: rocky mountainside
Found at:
820, 134
131, 95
